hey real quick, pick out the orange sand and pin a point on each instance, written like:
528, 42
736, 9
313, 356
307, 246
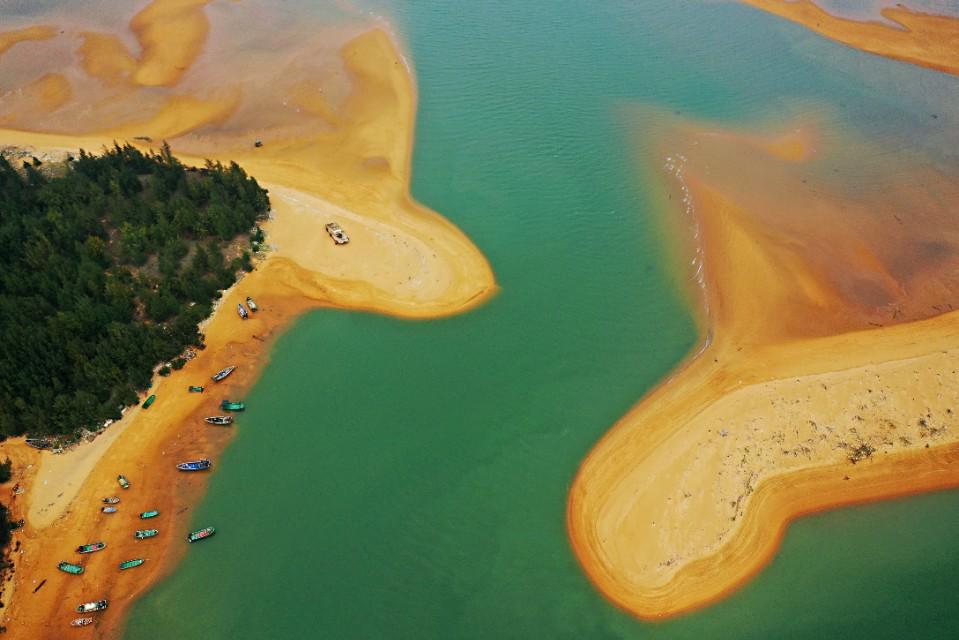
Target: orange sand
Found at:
689, 494
924, 39
403, 260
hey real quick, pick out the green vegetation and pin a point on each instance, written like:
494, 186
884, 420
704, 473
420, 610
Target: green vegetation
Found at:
105, 272
5, 470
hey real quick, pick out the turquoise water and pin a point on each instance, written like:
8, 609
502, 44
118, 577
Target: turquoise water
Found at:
426, 499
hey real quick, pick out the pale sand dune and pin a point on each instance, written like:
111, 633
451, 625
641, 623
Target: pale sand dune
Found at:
920, 38
688, 495
404, 260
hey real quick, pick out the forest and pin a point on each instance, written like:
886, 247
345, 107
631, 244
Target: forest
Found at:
107, 266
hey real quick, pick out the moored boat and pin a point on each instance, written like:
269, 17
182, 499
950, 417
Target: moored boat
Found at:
69, 567
146, 515
129, 564
142, 534
90, 607
122, 480
195, 388
149, 401
223, 373
110, 500
251, 304
195, 465
200, 534
241, 311
232, 405
81, 622
90, 548
108, 509
219, 420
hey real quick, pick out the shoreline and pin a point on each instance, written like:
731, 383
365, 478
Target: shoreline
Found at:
389, 230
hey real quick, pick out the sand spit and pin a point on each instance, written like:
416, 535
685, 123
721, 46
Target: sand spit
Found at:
403, 260
924, 39
798, 402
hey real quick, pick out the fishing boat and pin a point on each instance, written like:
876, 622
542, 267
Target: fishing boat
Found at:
129, 564
81, 622
232, 405
241, 311
69, 567
90, 607
152, 513
195, 465
142, 534
251, 304
90, 548
110, 500
149, 401
200, 534
223, 373
219, 420
195, 389
123, 481
108, 509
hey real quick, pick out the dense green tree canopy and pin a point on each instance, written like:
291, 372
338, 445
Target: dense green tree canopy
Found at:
105, 272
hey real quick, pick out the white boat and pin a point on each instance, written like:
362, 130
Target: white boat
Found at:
241, 311
336, 232
90, 607
223, 373
81, 622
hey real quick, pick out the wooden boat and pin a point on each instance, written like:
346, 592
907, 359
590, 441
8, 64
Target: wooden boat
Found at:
143, 534
129, 564
241, 311
219, 420
110, 500
123, 481
195, 465
81, 622
90, 607
69, 567
146, 515
195, 389
90, 548
108, 509
149, 401
200, 534
223, 373
251, 304
232, 405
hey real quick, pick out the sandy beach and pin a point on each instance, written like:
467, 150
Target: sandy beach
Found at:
924, 39
805, 396
403, 259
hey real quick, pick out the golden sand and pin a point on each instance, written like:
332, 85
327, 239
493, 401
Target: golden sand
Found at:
920, 38
10, 38
403, 260
689, 494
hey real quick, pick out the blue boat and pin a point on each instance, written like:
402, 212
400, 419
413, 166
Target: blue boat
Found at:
195, 465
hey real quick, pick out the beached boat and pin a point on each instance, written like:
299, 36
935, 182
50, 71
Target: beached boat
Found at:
251, 304
69, 567
123, 481
81, 622
149, 401
195, 465
39, 443
336, 232
219, 420
241, 311
200, 534
129, 564
90, 607
232, 405
223, 373
142, 534
146, 515
90, 548
110, 500
195, 389
108, 509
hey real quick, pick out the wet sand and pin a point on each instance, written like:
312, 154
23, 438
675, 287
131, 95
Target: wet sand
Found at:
403, 260
920, 38
797, 401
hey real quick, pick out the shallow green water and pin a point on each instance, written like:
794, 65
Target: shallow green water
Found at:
426, 498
